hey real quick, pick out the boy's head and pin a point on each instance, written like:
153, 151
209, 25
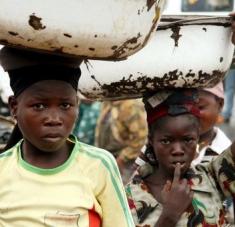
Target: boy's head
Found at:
45, 96
211, 101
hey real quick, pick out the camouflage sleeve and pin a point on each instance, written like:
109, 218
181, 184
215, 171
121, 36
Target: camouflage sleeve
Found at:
222, 169
129, 127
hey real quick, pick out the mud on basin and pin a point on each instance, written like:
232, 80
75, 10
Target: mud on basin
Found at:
186, 51
101, 29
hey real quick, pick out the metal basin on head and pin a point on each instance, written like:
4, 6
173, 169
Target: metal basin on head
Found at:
186, 51
100, 29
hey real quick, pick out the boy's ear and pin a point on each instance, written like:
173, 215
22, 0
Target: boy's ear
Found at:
12, 103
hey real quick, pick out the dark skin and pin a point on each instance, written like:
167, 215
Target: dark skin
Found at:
46, 118
210, 107
174, 143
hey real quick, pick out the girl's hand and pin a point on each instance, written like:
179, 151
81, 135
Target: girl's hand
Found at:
176, 196
233, 26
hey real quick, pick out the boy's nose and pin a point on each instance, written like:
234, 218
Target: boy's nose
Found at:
53, 118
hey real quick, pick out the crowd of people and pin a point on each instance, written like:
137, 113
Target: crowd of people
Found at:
68, 158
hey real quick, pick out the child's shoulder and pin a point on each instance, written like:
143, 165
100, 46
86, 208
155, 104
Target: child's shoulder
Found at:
6, 157
93, 153
6, 154
94, 160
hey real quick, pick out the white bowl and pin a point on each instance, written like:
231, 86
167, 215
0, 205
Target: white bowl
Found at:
186, 51
98, 29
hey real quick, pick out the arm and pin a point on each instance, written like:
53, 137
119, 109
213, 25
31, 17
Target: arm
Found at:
222, 169
112, 198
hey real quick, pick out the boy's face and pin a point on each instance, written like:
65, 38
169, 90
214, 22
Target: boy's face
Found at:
175, 140
46, 112
210, 108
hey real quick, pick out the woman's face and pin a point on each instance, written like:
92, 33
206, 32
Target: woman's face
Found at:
174, 140
45, 113
210, 108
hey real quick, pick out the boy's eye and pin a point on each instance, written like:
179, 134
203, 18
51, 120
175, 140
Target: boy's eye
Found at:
165, 141
65, 106
39, 106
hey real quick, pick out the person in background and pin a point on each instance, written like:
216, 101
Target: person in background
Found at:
194, 5
213, 140
122, 130
85, 125
49, 178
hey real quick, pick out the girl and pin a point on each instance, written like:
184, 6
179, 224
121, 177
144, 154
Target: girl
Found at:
167, 190
212, 140
48, 178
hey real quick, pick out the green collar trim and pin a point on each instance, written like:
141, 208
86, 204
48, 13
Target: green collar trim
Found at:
55, 170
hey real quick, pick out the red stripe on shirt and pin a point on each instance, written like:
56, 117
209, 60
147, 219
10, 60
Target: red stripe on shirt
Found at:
94, 219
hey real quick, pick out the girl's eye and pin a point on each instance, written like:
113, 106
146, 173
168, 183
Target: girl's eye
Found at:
65, 106
39, 106
189, 140
165, 141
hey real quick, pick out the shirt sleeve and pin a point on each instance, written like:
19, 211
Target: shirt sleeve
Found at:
222, 168
129, 127
112, 197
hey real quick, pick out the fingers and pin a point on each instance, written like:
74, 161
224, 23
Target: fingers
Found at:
177, 174
167, 186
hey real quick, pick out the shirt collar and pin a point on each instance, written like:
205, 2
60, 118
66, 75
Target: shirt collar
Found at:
220, 143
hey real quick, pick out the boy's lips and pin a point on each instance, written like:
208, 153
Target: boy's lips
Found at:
53, 137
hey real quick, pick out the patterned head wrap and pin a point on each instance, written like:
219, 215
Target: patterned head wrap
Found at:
172, 103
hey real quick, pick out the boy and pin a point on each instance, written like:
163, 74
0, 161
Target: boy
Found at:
48, 178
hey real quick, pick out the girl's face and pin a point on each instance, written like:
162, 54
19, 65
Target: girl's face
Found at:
46, 112
175, 140
210, 108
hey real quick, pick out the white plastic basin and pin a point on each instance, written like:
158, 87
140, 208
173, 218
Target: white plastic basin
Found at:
186, 51
98, 29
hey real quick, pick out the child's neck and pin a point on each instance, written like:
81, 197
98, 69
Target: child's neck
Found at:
207, 137
46, 160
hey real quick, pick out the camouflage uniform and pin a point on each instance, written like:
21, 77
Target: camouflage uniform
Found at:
122, 128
